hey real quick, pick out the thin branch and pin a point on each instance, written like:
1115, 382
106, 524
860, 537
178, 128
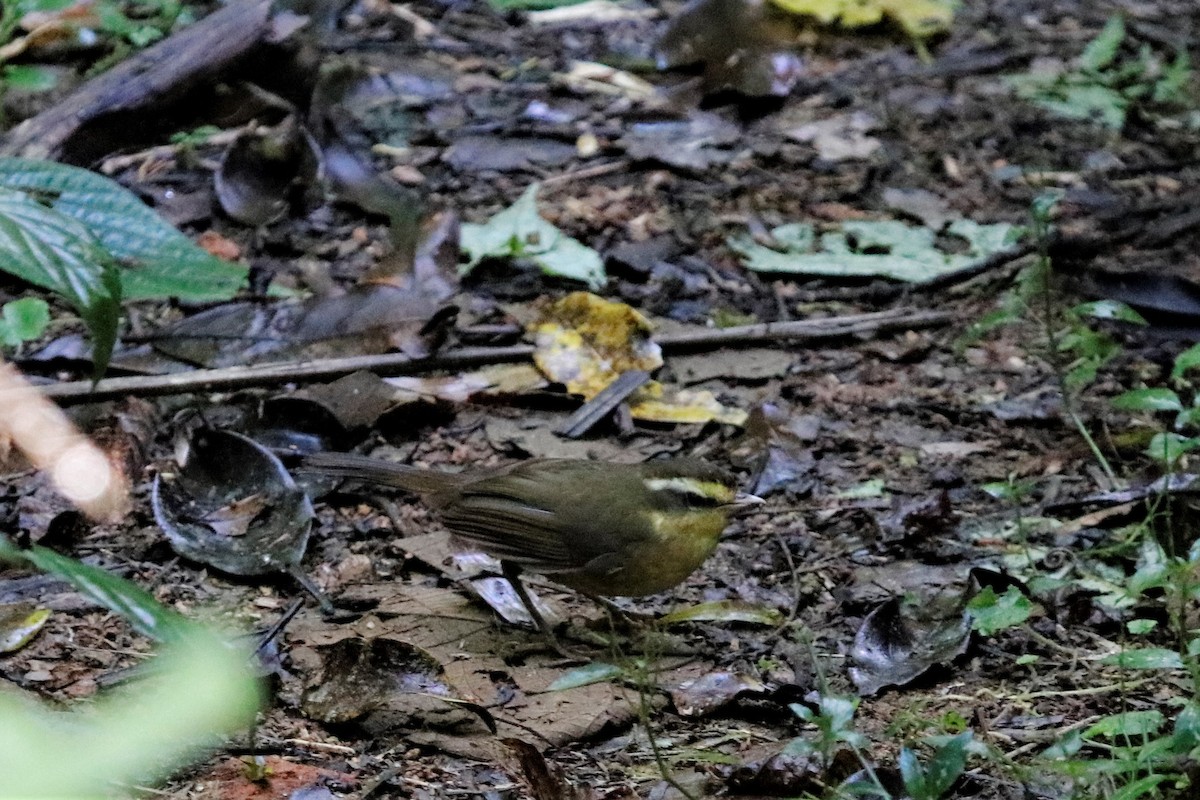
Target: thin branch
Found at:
259, 375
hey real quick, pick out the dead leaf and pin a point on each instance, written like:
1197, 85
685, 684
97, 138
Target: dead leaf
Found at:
585, 342
233, 506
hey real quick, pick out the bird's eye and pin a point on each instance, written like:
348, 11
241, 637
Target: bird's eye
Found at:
690, 492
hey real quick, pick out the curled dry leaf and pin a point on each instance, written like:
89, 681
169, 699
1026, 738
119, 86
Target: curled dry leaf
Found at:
233, 506
386, 683
893, 648
713, 691
258, 169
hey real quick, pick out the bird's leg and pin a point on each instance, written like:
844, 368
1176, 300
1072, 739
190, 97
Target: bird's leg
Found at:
512, 574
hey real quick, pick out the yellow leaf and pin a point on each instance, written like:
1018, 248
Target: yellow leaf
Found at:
585, 342
686, 406
917, 18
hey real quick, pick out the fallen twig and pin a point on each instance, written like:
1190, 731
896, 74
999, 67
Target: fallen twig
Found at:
242, 377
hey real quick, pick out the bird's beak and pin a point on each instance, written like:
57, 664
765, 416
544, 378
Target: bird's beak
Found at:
744, 499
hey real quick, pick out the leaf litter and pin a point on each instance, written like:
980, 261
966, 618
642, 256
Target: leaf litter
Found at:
898, 419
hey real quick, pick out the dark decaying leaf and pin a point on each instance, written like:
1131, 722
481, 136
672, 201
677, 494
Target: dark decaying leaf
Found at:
389, 680
697, 143
545, 779
343, 139
258, 170
780, 443
295, 424
918, 518
364, 320
233, 506
741, 44
892, 648
781, 775
491, 153
400, 305
713, 691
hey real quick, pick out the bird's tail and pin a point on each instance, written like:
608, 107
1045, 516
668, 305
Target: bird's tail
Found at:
383, 473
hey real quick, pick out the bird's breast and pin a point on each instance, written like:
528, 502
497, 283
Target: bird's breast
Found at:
681, 543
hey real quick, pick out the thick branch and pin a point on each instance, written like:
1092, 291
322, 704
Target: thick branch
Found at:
157, 75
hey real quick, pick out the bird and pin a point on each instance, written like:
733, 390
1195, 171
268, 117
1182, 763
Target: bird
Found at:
599, 528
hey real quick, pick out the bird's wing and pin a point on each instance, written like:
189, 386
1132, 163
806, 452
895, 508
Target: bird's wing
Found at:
512, 530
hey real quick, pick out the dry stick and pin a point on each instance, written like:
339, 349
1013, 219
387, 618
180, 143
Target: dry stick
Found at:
229, 378
590, 413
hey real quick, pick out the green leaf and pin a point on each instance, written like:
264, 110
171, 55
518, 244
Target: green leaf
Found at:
1171, 87
1170, 447
22, 320
1145, 658
1185, 361
59, 253
913, 774
1187, 727
145, 615
726, 611
946, 766
1101, 51
596, 672
1148, 399
887, 248
1129, 723
519, 232
1140, 626
28, 78
990, 613
199, 692
1110, 309
1142, 787
157, 261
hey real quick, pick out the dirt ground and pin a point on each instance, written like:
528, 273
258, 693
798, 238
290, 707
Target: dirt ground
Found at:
878, 454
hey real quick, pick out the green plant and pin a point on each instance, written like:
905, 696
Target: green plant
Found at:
833, 718
139, 23
1105, 86
24, 77
931, 781
991, 613
131, 24
201, 687
95, 244
23, 320
1074, 350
